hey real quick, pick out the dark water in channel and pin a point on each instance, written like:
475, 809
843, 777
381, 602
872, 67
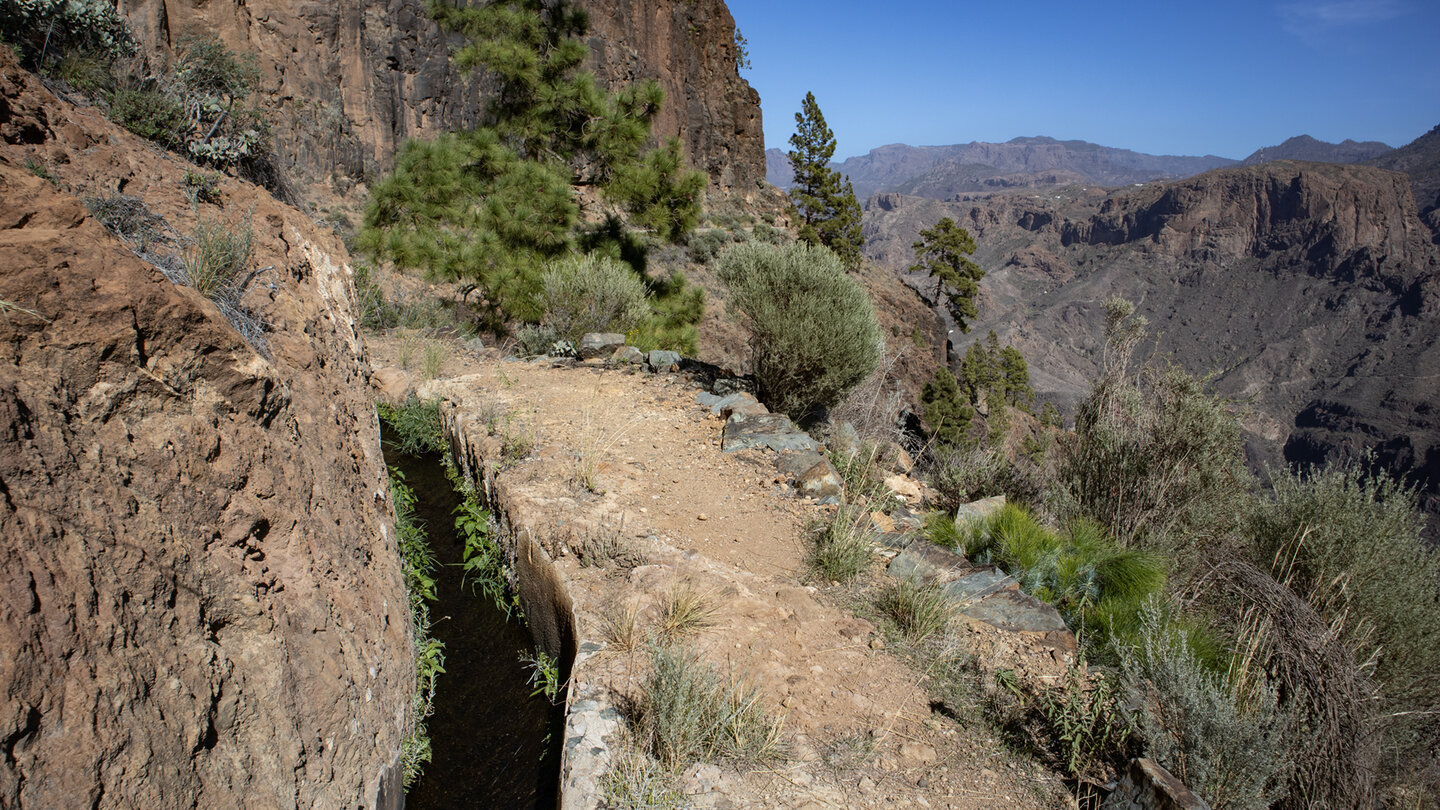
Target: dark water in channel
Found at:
487, 734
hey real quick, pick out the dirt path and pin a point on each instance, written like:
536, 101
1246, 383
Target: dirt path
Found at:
633, 460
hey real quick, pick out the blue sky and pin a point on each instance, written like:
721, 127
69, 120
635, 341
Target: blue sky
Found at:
1164, 77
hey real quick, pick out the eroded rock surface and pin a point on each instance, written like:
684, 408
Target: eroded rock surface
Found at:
201, 603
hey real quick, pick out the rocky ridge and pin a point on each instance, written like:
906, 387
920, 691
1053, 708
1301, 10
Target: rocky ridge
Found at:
943, 171
203, 604
346, 83
1304, 147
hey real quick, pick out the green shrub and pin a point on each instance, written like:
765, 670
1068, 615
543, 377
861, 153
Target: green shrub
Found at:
660, 192
946, 412
689, 713
200, 187
1153, 456
813, 332
221, 253
842, 546
960, 475
588, 293
1232, 752
1349, 544
152, 114
61, 27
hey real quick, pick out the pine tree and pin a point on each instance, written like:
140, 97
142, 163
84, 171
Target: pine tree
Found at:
943, 252
976, 372
945, 410
1017, 378
824, 201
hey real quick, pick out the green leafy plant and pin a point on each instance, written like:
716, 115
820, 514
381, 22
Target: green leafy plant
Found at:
482, 560
813, 331
544, 675
45, 30
201, 187
1087, 722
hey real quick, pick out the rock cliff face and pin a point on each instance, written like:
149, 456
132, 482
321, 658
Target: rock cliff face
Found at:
348, 82
1311, 290
202, 603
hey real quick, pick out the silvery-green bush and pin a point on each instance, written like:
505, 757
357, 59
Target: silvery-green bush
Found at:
813, 331
54, 27
591, 293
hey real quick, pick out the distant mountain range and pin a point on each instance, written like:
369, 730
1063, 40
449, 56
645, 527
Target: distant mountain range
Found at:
941, 172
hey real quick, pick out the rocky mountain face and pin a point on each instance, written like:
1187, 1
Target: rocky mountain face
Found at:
202, 603
1420, 159
1304, 147
348, 82
1310, 291
940, 172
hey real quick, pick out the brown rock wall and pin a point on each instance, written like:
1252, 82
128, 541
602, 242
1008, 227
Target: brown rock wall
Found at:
348, 82
201, 603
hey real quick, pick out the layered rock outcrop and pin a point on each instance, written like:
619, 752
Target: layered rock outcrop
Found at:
202, 603
348, 82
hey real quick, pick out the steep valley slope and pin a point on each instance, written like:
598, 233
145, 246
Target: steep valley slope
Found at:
1310, 291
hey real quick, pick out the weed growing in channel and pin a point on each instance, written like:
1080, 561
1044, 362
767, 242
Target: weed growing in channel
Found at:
544, 675
418, 564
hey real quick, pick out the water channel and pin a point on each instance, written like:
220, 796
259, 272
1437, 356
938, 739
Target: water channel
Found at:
490, 740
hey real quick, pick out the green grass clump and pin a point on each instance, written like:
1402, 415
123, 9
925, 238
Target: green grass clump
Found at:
917, 609
690, 713
1096, 585
842, 547
220, 254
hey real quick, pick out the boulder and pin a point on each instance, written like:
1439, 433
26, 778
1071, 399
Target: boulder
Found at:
906, 487
976, 511
846, 439
661, 360
599, 344
718, 406
393, 384
795, 463
771, 430
821, 481
743, 407
627, 356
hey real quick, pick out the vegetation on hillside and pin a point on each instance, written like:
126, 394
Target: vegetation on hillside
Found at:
495, 205
943, 253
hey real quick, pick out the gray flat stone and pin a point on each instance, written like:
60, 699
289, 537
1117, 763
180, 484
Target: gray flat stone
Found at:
661, 360
599, 344
730, 399
925, 560
1017, 612
820, 481
795, 463
976, 511
981, 583
771, 430
707, 399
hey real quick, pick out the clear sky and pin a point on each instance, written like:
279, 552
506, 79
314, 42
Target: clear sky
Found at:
1166, 77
